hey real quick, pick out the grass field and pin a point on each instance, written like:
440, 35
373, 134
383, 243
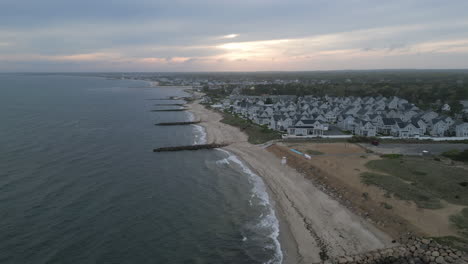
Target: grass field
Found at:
422, 180
257, 134
313, 152
461, 222
402, 190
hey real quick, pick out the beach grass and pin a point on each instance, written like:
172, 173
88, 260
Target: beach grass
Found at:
457, 155
402, 190
313, 152
459, 243
460, 221
422, 180
257, 134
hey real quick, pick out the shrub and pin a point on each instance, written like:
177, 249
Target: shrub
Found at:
457, 155
386, 205
361, 139
460, 221
391, 156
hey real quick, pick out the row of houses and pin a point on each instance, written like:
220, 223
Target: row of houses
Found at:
365, 116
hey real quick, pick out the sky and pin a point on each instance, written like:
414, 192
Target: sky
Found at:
232, 35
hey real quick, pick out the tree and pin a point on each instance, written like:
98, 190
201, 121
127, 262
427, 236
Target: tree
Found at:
455, 107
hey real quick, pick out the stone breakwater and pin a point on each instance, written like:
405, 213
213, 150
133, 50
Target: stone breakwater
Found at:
412, 250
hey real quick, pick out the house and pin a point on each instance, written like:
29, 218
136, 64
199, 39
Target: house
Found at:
347, 122
311, 115
438, 128
406, 130
392, 103
461, 130
429, 115
366, 129
308, 128
388, 124
421, 124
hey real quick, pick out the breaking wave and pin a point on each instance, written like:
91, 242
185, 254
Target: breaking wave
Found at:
268, 220
200, 135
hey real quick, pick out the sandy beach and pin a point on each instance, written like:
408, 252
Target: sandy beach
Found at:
312, 224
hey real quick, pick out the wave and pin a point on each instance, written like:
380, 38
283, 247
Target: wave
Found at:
190, 116
268, 220
200, 135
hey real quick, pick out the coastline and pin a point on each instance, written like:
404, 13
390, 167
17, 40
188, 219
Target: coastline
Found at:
313, 226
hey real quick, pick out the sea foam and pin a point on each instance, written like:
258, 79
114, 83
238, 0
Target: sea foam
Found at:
259, 191
190, 116
200, 135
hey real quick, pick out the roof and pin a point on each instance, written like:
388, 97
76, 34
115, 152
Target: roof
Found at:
310, 121
388, 121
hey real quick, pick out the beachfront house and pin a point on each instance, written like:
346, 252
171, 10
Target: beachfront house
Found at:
365, 128
438, 128
461, 130
308, 128
367, 116
406, 130
346, 122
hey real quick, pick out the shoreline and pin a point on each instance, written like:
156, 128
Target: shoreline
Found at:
313, 226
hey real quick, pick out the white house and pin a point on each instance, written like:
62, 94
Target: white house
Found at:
439, 128
308, 128
366, 129
347, 123
461, 130
406, 130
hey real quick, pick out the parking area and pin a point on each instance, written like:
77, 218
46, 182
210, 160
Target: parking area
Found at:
414, 149
333, 131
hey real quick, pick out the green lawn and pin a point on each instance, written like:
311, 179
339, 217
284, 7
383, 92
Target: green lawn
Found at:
313, 152
419, 179
257, 134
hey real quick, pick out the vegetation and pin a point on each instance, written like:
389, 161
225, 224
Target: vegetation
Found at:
318, 140
362, 139
421, 180
402, 190
460, 221
313, 152
427, 89
453, 242
257, 134
391, 156
457, 155
386, 205
217, 94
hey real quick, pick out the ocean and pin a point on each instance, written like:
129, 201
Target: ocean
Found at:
79, 182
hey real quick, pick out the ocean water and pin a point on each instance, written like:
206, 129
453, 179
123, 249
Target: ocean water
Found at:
79, 182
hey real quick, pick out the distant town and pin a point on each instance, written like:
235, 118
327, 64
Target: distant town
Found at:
308, 113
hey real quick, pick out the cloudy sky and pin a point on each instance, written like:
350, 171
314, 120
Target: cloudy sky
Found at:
231, 35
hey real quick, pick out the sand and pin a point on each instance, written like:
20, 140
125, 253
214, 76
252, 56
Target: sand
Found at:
313, 225
342, 164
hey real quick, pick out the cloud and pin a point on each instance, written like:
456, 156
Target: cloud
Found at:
230, 36
192, 35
